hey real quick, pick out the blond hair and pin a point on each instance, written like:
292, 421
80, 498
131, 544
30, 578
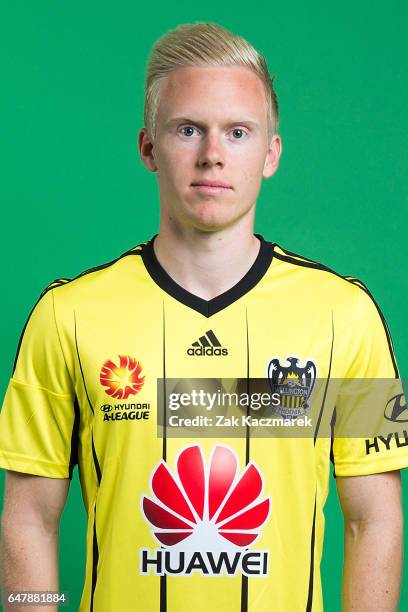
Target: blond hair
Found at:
203, 44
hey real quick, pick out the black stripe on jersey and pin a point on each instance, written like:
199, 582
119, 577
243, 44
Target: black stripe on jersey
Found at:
163, 593
247, 376
219, 302
95, 548
95, 559
332, 424
80, 364
364, 287
299, 257
163, 578
244, 593
73, 460
311, 572
244, 579
326, 387
164, 451
318, 266
96, 462
94, 455
55, 283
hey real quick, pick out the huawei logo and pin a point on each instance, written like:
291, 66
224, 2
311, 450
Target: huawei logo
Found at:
122, 380
206, 507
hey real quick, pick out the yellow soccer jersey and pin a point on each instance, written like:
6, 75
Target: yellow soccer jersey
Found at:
203, 523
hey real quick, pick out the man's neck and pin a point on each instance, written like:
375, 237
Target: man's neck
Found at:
206, 263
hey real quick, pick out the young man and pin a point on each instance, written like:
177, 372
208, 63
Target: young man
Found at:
221, 523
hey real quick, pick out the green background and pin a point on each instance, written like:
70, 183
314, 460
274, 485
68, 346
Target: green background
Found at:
74, 193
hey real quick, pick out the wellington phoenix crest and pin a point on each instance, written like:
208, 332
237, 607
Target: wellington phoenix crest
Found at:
205, 516
294, 383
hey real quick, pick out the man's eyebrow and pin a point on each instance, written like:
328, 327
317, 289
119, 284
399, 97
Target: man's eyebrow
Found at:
184, 119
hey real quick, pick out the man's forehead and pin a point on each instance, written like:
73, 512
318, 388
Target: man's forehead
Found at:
234, 93
211, 78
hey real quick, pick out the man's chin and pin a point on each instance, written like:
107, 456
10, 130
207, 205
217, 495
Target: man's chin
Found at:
215, 221
209, 215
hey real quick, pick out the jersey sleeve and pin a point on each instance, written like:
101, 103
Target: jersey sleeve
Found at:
38, 415
371, 430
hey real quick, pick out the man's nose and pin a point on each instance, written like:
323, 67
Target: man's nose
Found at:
211, 151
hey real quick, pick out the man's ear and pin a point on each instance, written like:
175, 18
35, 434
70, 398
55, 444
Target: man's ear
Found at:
145, 143
272, 156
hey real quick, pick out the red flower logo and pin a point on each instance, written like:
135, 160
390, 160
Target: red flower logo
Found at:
122, 380
205, 506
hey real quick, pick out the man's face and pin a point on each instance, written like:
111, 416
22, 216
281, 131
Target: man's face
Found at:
211, 128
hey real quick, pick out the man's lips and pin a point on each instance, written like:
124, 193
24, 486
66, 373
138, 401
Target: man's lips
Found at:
210, 186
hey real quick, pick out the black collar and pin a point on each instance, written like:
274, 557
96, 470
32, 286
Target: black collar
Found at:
219, 302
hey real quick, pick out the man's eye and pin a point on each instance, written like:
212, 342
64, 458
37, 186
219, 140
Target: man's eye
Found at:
238, 133
187, 130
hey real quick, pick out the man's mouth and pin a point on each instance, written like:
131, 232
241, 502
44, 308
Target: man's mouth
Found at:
210, 186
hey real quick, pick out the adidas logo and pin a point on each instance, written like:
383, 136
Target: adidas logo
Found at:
207, 345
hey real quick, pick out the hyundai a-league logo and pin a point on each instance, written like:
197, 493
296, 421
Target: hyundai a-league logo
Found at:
205, 516
123, 379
